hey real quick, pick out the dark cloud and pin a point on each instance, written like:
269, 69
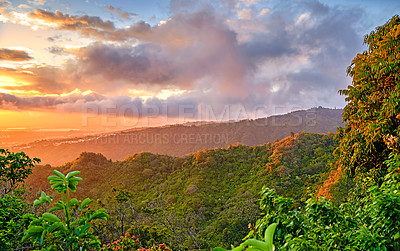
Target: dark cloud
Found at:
122, 14
144, 63
54, 38
57, 50
96, 104
14, 55
8, 101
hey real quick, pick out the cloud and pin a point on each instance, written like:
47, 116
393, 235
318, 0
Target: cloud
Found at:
291, 54
67, 22
57, 50
37, 2
144, 63
95, 104
264, 11
38, 78
87, 26
24, 6
246, 13
14, 55
12, 102
4, 4
181, 52
249, 2
122, 14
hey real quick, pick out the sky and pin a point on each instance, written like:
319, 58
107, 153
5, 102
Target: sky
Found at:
96, 64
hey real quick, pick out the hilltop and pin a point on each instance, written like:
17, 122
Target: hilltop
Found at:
181, 139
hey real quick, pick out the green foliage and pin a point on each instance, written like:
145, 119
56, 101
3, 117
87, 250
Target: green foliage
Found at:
14, 169
72, 231
372, 112
369, 221
12, 224
257, 245
201, 200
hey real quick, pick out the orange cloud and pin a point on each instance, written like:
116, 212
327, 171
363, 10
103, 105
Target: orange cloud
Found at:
14, 55
65, 21
43, 79
87, 26
122, 14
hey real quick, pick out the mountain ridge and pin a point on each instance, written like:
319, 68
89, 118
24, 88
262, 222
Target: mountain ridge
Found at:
181, 139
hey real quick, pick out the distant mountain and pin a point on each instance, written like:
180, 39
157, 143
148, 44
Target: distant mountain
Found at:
181, 139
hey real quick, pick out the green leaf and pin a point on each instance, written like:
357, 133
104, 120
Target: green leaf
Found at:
59, 206
35, 229
99, 214
75, 179
219, 249
58, 226
43, 198
26, 236
60, 188
59, 174
254, 249
85, 202
50, 217
256, 243
239, 248
72, 187
269, 235
73, 173
73, 202
54, 178
84, 229
42, 236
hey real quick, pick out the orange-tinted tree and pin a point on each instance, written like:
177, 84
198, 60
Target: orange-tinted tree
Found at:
372, 114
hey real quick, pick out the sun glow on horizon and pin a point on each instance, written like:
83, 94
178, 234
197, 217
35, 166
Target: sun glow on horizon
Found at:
58, 60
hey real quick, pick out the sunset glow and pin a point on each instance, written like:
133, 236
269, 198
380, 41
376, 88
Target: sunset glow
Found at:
156, 62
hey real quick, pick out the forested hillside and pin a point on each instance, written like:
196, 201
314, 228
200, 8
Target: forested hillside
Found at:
209, 196
177, 140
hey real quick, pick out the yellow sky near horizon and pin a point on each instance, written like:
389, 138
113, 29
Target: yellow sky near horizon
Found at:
39, 119
33, 120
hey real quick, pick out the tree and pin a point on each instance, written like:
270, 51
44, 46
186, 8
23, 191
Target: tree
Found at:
372, 114
14, 169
